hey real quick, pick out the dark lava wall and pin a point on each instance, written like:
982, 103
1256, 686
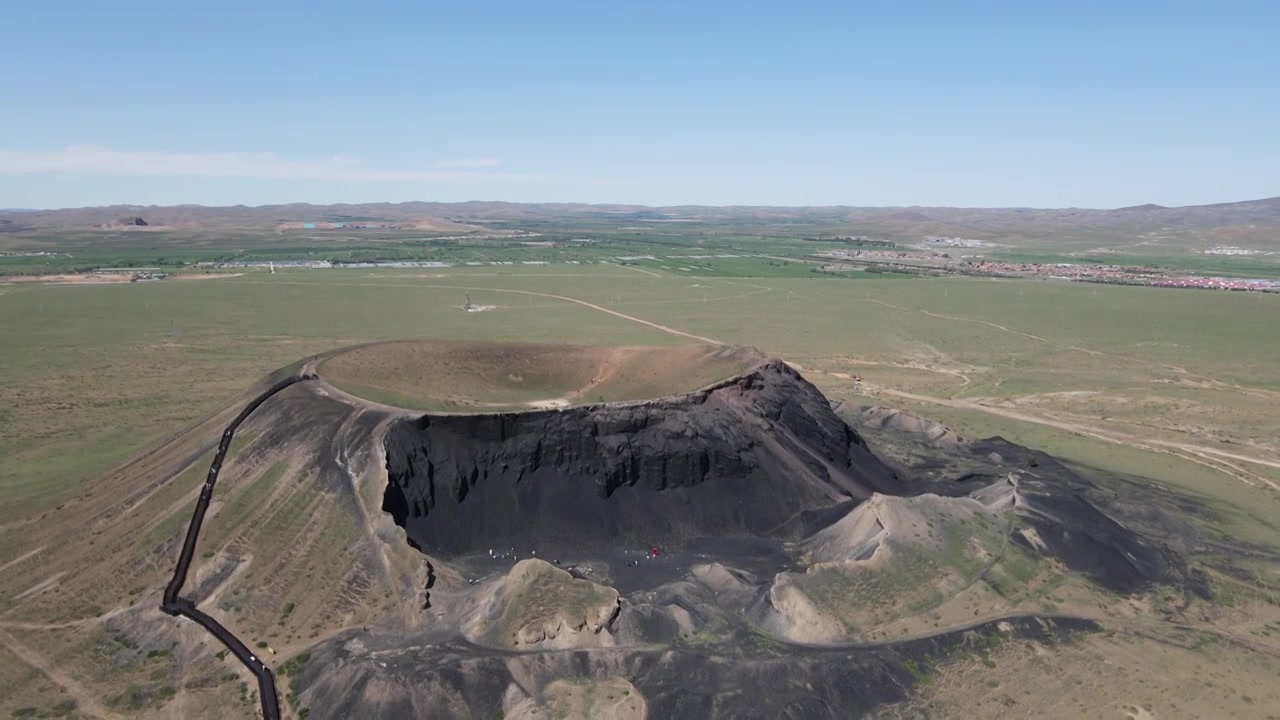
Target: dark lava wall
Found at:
748, 456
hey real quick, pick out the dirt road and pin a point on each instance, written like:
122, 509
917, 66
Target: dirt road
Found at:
1148, 444
584, 303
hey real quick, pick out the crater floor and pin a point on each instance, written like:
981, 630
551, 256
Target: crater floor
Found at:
499, 377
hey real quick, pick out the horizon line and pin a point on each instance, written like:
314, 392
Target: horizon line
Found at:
1149, 206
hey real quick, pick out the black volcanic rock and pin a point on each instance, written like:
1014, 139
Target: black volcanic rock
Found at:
1076, 523
750, 456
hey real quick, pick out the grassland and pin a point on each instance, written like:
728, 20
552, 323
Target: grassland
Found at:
93, 374
1179, 386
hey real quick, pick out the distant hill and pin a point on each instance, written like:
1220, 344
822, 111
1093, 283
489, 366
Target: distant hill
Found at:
1254, 220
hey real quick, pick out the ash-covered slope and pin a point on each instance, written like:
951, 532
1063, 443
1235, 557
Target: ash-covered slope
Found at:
1112, 536
753, 455
1080, 525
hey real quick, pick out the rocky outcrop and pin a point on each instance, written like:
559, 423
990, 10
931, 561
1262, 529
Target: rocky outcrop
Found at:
537, 604
883, 418
751, 455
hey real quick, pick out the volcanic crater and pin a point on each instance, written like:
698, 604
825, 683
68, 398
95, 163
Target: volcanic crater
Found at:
751, 455
672, 521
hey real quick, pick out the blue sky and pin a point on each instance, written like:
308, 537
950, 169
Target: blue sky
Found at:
1046, 104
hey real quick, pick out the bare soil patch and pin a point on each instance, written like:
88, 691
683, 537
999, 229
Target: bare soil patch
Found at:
72, 278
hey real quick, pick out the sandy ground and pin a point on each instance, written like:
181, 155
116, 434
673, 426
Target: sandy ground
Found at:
71, 279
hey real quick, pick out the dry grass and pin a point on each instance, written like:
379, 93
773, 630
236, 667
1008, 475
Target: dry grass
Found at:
1117, 676
506, 376
288, 557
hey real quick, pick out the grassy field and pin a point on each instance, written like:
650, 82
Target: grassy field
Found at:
1179, 386
560, 242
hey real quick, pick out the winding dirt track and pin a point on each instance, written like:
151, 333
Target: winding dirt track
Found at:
584, 303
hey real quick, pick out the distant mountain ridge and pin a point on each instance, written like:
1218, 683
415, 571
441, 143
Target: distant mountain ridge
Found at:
1253, 219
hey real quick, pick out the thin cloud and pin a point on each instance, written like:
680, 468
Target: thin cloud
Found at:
104, 161
474, 163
